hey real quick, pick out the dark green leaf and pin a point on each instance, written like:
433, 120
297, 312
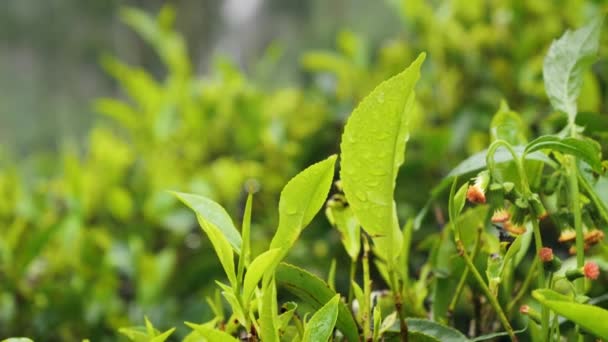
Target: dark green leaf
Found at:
585, 149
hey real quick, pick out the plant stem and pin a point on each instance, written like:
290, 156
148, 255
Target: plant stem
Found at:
524, 286
396, 289
541, 276
351, 279
367, 291
464, 275
599, 204
493, 301
576, 212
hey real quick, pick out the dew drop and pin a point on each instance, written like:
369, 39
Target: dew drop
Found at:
361, 196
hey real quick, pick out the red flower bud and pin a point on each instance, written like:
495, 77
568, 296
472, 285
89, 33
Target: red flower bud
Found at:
591, 270
545, 254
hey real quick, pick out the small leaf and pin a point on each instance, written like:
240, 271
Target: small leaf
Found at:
208, 211
211, 334
262, 263
322, 323
348, 226
285, 317
269, 321
565, 63
314, 291
585, 149
508, 125
17, 339
373, 146
300, 201
589, 317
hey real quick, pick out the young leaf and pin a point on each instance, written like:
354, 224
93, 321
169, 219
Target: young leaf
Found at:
284, 318
245, 232
322, 323
373, 146
211, 334
565, 63
314, 291
348, 226
222, 249
584, 149
269, 321
589, 317
300, 201
508, 125
208, 211
256, 270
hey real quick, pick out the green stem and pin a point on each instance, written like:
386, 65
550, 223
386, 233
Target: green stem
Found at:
399, 305
599, 204
351, 279
493, 301
367, 291
576, 212
541, 276
524, 286
464, 275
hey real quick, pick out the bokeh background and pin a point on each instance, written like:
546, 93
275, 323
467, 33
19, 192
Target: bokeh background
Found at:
106, 105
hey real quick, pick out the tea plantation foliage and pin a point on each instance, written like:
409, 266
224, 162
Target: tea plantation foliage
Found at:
94, 237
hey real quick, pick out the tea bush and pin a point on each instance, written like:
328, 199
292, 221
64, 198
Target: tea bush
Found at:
95, 239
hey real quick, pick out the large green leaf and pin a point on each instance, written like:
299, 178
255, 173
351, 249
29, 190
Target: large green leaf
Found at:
589, 317
315, 292
321, 324
567, 59
584, 149
300, 201
211, 334
373, 146
208, 211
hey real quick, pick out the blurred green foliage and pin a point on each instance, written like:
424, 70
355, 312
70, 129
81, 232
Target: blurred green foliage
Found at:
91, 238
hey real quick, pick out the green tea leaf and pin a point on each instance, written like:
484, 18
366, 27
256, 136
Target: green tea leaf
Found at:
269, 321
208, 211
300, 201
256, 270
211, 334
322, 323
478, 160
373, 146
314, 291
348, 226
425, 330
222, 249
508, 125
589, 317
585, 149
565, 63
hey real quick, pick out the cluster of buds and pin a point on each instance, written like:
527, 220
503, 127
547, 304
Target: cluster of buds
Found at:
591, 238
590, 271
551, 263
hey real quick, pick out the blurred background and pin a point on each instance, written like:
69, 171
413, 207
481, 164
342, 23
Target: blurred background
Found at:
106, 105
